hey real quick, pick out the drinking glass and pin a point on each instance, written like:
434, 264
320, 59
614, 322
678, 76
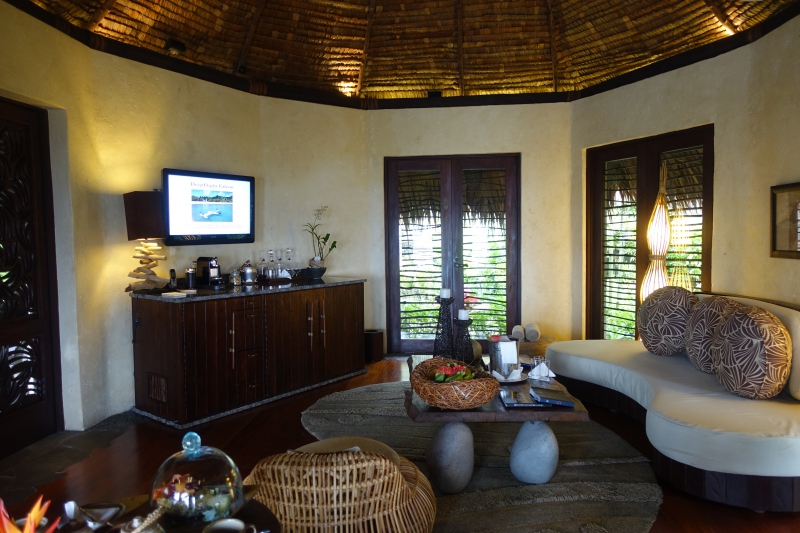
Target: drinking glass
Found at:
291, 265
540, 369
544, 370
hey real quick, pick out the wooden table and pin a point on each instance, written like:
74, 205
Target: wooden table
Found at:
535, 440
494, 411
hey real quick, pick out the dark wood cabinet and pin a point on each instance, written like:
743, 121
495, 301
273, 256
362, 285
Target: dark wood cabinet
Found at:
314, 336
247, 377
199, 358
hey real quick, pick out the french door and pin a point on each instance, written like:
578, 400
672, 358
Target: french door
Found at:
451, 222
622, 185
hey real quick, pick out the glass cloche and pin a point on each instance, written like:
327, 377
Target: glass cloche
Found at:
199, 484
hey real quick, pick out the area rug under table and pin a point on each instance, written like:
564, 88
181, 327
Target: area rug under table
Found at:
601, 485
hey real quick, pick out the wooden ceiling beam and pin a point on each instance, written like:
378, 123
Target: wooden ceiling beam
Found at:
100, 14
551, 21
721, 16
251, 33
370, 18
460, 36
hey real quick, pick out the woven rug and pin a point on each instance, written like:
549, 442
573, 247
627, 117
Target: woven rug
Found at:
601, 485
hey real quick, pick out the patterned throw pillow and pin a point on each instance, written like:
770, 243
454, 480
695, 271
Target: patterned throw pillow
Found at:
662, 320
752, 353
703, 321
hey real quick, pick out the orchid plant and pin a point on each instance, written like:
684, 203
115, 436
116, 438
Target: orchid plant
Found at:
318, 241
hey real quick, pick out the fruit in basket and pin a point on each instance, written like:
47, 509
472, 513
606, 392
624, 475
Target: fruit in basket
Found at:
452, 372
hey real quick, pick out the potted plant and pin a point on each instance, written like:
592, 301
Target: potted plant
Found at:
319, 244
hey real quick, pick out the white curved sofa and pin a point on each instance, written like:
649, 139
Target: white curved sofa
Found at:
709, 441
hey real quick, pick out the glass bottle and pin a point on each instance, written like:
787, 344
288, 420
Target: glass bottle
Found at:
262, 269
280, 267
273, 266
290, 266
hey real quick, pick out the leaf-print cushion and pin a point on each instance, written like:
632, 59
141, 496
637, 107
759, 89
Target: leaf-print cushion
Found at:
662, 320
703, 321
752, 353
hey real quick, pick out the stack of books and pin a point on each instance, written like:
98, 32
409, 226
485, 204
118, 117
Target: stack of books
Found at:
536, 398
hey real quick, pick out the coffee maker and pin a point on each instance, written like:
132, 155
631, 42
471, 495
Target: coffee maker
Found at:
209, 275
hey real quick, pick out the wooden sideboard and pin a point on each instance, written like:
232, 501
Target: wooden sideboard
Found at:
217, 352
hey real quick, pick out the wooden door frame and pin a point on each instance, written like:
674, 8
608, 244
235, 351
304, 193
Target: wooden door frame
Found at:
46, 273
647, 151
451, 164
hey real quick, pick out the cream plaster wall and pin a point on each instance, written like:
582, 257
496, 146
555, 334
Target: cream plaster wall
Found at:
115, 124
752, 96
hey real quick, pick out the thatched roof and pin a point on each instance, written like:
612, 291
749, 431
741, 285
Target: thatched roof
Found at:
373, 50
483, 196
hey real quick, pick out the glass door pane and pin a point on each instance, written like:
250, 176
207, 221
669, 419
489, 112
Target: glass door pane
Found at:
483, 247
619, 249
685, 207
420, 234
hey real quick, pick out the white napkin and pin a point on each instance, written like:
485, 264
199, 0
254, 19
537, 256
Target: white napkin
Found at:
518, 333
72, 512
539, 370
514, 376
508, 353
532, 332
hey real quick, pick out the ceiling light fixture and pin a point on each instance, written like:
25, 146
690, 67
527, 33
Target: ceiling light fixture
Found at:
175, 47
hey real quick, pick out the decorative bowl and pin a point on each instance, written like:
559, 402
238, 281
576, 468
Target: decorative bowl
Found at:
199, 484
455, 395
316, 272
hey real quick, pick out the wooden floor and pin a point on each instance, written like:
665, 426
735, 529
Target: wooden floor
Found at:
128, 465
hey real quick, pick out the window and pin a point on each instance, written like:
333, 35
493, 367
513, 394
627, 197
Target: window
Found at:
622, 185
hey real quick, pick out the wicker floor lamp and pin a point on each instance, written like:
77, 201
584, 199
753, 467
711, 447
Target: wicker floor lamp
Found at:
658, 235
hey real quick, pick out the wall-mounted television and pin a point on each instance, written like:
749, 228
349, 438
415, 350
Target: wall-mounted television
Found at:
207, 208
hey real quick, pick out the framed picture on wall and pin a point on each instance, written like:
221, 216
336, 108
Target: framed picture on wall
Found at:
785, 230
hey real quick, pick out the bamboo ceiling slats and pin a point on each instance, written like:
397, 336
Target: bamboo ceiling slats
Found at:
317, 44
410, 49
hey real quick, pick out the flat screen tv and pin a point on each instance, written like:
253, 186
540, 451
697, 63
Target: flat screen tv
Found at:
207, 208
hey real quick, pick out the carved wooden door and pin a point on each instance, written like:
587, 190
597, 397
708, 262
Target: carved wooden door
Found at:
30, 392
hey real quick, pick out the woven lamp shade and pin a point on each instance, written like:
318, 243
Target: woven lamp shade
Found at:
658, 236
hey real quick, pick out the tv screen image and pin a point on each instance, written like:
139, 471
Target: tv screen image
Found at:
208, 208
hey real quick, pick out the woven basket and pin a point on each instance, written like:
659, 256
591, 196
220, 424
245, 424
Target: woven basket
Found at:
456, 394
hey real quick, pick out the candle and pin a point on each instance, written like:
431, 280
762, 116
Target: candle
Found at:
463, 314
444, 293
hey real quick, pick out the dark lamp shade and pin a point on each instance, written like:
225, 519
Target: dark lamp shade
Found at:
144, 215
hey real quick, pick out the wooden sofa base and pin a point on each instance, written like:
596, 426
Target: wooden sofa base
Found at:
758, 493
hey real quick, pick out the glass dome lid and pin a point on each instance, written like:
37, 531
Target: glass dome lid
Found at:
199, 484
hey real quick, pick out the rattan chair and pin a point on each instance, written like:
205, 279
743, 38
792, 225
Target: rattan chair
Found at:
345, 490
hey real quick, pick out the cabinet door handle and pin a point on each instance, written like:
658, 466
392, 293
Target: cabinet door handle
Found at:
135, 327
322, 319
310, 315
233, 341
251, 355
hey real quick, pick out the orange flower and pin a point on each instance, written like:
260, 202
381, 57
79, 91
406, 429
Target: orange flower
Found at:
35, 516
